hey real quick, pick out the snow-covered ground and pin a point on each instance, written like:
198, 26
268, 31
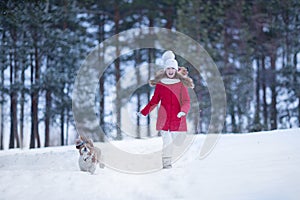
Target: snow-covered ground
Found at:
256, 166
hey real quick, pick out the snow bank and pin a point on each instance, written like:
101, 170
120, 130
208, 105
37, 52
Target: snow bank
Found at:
256, 166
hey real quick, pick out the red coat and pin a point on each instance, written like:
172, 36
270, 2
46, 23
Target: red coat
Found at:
174, 98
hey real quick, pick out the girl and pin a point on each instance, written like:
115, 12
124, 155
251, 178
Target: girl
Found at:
172, 94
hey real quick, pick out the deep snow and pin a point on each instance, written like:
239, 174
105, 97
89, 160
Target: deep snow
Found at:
258, 166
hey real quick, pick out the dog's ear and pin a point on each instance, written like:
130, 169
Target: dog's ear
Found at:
78, 143
90, 142
81, 137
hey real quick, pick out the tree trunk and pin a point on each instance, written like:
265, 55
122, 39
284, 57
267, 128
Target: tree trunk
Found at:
296, 82
138, 76
47, 117
138, 131
14, 119
32, 138
11, 138
67, 126
2, 97
102, 80
264, 89
233, 120
1, 126
200, 115
169, 16
256, 123
34, 99
117, 73
228, 77
62, 123
47, 108
14, 101
273, 92
22, 102
151, 58
102, 104
67, 117
62, 120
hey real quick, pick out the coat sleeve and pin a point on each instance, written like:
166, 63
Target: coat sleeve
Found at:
152, 103
185, 100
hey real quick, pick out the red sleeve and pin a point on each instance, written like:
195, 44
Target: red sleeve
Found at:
152, 103
185, 100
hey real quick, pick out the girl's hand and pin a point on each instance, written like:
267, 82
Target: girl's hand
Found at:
180, 114
139, 114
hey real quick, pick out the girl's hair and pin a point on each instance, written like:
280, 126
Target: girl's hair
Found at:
187, 81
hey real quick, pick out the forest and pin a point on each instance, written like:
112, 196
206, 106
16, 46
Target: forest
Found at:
254, 43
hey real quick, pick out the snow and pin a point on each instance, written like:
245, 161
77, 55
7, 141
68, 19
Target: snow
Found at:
252, 166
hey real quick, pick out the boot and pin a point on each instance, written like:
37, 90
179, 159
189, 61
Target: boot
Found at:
167, 162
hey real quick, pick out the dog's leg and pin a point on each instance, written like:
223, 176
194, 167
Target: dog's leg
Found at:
92, 169
101, 162
100, 158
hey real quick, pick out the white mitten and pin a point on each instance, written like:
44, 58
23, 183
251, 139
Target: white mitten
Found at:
139, 114
180, 114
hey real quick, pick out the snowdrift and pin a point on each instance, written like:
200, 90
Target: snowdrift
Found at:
252, 166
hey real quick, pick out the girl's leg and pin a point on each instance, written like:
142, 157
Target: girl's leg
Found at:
167, 149
178, 137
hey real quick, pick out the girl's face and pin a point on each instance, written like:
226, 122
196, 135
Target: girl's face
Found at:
170, 72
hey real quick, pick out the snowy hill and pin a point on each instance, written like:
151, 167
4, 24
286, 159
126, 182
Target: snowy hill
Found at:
257, 166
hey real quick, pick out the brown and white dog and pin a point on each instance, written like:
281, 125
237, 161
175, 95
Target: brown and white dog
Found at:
89, 155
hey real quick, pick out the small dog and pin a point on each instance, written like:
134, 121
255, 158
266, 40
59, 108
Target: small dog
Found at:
89, 156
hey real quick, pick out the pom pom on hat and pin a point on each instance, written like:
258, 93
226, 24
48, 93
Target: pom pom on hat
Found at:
168, 55
171, 63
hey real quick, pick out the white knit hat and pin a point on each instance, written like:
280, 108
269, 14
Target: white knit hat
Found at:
168, 59
171, 63
168, 55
